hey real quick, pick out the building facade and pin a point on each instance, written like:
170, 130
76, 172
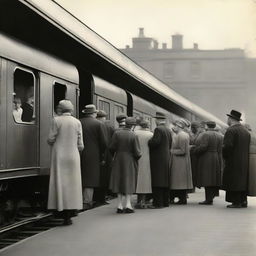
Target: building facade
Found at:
216, 80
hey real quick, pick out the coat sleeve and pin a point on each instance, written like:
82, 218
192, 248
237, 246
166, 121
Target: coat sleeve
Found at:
136, 148
80, 142
156, 139
53, 132
181, 151
228, 143
113, 144
202, 146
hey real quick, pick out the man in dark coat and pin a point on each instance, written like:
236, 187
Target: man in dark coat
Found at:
160, 146
28, 109
101, 193
92, 156
236, 155
209, 154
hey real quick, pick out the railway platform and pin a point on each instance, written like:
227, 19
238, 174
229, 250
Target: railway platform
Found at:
180, 230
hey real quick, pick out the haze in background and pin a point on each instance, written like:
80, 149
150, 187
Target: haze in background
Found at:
213, 24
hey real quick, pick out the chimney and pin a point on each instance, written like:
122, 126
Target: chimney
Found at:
177, 43
155, 44
195, 46
164, 45
141, 32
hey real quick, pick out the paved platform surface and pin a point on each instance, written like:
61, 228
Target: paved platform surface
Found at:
185, 230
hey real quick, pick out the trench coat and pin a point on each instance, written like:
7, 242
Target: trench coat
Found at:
95, 143
252, 166
160, 146
125, 147
209, 155
66, 140
180, 171
235, 152
144, 173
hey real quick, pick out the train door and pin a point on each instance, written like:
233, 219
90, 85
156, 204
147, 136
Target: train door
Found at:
22, 136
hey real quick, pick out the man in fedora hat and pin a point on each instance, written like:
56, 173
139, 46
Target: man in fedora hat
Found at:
160, 146
94, 147
236, 155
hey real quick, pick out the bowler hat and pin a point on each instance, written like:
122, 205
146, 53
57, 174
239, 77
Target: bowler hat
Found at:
89, 109
130, 121
121, 118
235, 115
160, 115
211, 124
101, 113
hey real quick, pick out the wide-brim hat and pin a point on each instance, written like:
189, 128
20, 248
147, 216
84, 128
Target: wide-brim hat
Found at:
235, 115
121, 118
160, 115
130, 121
101, 113
179, 123
66, 105
211, 124
89, 109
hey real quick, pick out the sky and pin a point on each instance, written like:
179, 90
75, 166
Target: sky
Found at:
213, 24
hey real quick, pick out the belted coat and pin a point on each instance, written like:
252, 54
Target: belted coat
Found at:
66, 140
252, 166
180, 171
95, 143
160, 146
236, 156
209, 159
144, 172
125, 148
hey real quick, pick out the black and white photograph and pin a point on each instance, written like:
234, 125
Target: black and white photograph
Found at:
127, 128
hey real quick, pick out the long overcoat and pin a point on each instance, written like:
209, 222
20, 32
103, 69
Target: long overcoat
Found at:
252, 166
65, 188
209, 162
144, 173
236, 155
160, 146
125, 148
95, 143
180, 171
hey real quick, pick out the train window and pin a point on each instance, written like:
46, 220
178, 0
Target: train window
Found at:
59, 92
119, 109
24, 97
104, 105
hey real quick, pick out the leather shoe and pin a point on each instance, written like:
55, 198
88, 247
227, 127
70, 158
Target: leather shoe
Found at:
234, 206
119, 210
206, 202
128, 210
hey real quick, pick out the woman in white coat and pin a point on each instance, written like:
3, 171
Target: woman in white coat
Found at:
144, 186
65, 139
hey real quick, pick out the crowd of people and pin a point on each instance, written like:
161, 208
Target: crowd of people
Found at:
90, 159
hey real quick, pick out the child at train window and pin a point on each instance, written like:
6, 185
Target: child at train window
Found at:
17, 110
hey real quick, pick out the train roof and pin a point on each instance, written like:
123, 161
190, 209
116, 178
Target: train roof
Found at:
16, 51
50, 27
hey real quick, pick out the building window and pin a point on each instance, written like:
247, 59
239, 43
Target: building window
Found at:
169, 70
104, 105
195, 70
59, 93
24, 97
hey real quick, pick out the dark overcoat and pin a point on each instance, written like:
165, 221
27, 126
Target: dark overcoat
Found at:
125, 148
252, 166
236, 156
94, 147
209, 159
106, 168
160, 145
